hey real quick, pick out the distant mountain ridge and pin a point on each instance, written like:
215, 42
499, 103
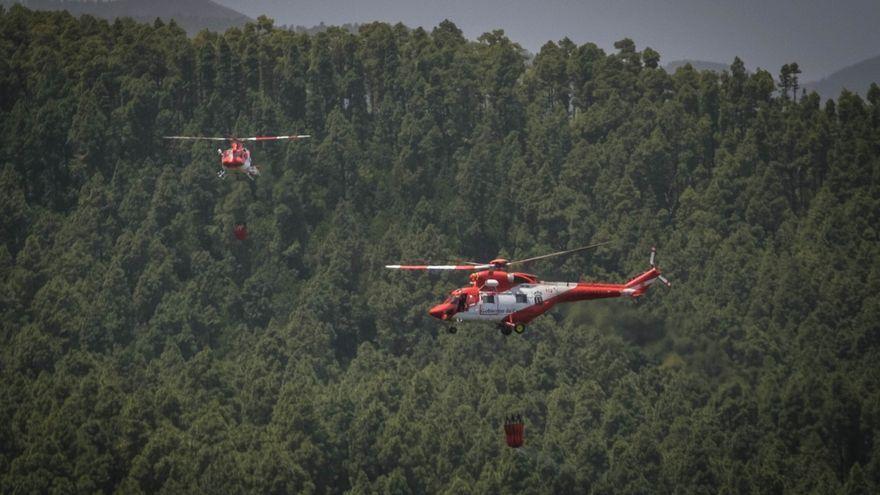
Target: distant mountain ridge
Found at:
192, 15
856, 78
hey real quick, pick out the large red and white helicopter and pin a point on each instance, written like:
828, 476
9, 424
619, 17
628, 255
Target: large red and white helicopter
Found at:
237, 157
513, 299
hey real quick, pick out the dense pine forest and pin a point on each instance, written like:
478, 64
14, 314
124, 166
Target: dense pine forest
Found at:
147, 350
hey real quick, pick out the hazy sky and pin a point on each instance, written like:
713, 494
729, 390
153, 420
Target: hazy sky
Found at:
822, 36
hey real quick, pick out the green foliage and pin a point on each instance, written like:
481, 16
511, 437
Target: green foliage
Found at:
148, 350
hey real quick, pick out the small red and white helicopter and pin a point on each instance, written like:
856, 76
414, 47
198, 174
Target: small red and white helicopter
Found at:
237, 157
513, 299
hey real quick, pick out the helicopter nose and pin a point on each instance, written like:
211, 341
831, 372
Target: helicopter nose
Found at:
440, 311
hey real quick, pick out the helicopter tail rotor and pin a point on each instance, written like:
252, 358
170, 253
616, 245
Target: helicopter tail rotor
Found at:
663, 279
640, 284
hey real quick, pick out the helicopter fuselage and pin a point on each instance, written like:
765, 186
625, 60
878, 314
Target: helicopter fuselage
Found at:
235, 158
512, 299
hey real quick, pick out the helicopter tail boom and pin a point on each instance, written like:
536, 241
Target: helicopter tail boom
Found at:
637, 286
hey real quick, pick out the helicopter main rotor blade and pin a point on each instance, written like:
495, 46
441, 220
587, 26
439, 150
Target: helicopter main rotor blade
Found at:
439, 267
198, 138
569, 251
276, 138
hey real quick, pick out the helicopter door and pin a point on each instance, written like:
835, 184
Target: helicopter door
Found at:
488, 303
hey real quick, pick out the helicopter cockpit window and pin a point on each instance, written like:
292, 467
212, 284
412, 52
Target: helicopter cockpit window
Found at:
460, 303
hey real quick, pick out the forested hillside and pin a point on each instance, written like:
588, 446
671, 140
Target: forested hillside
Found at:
147, 350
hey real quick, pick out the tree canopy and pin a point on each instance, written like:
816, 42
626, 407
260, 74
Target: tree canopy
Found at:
146, 349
